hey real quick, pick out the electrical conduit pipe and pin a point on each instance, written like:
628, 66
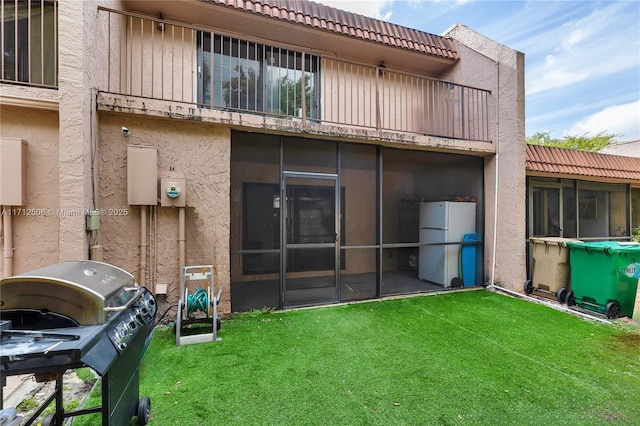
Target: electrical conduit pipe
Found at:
7, 226
143, 245
181, 238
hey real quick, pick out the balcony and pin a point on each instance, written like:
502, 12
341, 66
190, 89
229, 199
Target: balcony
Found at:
146, 57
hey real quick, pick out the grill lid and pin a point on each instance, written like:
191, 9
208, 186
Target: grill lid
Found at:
84, 290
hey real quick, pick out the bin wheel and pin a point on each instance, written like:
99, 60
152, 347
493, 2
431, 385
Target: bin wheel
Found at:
561, 294
144, 411
570, 299
49, 420
612, 310
528, 287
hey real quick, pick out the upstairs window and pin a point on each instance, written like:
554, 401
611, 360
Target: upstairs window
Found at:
29, 41
241, 75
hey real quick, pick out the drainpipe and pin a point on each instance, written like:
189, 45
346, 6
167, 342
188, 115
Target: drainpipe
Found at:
7, 225
181, 238
96, 249
495, 208
143, 245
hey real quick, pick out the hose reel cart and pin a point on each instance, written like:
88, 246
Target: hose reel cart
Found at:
197, 305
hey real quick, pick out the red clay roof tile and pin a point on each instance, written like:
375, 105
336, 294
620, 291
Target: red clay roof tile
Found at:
561, 161
349, 24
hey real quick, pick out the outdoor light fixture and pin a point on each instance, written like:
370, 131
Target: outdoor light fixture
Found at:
160, 25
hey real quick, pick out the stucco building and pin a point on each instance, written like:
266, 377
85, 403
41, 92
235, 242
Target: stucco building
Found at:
287, 143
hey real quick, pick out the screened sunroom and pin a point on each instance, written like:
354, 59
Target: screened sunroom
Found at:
318, 221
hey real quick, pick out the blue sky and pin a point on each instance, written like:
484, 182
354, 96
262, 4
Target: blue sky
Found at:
582, 58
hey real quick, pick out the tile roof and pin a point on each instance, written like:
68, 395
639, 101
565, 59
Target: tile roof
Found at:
349, 24
560, 161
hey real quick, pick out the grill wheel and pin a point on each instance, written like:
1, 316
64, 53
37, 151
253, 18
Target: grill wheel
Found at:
49, 420
144, 411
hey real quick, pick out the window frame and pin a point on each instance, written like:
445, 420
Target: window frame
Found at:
271, 60
29, 42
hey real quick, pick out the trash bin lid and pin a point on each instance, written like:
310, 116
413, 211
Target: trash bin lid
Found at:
552, 240
607, 246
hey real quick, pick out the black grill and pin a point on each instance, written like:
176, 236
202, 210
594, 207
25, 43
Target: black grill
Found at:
76, 314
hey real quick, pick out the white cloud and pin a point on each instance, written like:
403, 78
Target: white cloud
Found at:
583, 48
379, 9
574, 38
622, 120
557, 78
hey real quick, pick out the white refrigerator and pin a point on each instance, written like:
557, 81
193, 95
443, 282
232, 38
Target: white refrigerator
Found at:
443, 222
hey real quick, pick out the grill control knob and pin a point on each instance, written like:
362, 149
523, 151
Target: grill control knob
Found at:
140, 313
120, 335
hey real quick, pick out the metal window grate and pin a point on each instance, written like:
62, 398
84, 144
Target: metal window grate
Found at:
29, 42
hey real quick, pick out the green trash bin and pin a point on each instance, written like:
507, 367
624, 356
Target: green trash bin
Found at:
604, 276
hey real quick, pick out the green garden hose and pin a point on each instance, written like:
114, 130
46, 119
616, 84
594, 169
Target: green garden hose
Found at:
198, 301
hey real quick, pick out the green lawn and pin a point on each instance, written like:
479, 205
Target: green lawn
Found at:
458, 358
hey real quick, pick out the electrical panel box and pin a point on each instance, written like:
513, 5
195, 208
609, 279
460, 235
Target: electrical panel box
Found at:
13, 172
142, 175
172, 190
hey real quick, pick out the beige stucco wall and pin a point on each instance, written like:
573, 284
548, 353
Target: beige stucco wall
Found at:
81, 71
201, 153
500, 69
75, 125
35, 225
59, 127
